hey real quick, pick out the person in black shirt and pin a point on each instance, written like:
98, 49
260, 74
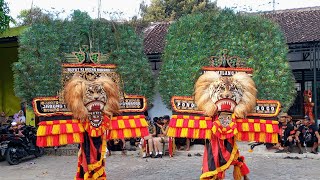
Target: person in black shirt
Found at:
315, 138
287, 134
307, 134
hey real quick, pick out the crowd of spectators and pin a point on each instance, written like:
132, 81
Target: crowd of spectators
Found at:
153, 145
14, 124
301, 133
156, 143
17, 118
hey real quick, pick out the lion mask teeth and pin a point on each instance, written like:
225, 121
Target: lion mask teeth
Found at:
95, 106
215, 93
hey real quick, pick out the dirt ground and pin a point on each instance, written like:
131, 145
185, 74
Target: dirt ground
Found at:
263, 165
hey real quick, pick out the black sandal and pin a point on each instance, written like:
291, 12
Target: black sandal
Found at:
280, 151
314, 152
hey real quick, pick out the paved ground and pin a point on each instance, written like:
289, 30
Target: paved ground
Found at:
263, 165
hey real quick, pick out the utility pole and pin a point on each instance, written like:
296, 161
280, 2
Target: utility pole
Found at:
99, 9
31, 9
315, 83
274, 5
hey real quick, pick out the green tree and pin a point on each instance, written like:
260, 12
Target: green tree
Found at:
29, 16
4, 17
44, 45
168, 10
194, 38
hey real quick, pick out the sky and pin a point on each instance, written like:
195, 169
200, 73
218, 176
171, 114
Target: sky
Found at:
130, 8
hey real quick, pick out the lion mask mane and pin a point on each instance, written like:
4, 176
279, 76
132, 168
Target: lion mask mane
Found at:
214, 92
88, 99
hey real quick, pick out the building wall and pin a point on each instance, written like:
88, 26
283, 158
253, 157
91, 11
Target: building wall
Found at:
301, 62
9, 103
159, 108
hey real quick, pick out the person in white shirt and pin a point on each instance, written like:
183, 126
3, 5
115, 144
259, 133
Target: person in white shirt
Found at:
20, 118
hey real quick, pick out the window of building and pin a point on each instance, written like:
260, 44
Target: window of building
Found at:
298, 86
308, 85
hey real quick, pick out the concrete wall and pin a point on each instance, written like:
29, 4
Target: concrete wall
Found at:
159, 108
9, 103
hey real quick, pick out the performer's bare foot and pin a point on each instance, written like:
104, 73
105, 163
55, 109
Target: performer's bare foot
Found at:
245, 177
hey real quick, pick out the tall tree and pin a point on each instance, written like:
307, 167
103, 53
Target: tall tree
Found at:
36, 14
168, 10
194, 38
4, 17
43, 47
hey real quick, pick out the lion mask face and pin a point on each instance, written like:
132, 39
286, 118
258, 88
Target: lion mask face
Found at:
215, 93
92, 99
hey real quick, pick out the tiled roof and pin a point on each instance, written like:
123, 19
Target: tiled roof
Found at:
298, 25
154, 37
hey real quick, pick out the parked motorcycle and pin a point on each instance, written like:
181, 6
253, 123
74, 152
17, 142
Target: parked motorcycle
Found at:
4, 136
18, 147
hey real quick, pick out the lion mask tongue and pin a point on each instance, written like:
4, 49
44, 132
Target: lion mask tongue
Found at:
225, 105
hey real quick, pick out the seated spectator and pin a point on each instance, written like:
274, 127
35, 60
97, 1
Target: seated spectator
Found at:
148, 139
162, 136
132, 144
278, 145
307, 134
182, 143
288, 133
116, 145
19, 118
3, 118
16, 129
297, 124
157, 120
314, 141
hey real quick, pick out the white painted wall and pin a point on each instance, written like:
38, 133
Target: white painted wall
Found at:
159, 108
